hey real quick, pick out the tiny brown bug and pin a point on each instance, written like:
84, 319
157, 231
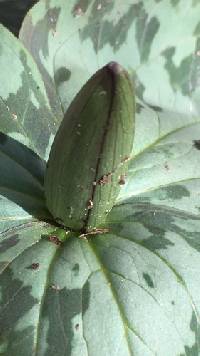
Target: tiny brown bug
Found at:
55, 240
105, 179
125, 159
77, 326
90, 204
122, 179
34, 266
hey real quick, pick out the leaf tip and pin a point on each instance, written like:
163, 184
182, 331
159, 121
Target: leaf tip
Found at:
115, 67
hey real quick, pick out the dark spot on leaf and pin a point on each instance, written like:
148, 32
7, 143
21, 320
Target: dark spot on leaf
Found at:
197, 144
81, 4
62, 75
77, 326
148, 280
9, 243
34, 266
76, 269
173, 302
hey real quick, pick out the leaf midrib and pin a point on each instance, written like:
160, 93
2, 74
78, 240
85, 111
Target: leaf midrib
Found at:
119, 307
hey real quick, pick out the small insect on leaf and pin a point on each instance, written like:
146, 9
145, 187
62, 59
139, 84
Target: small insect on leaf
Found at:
93, 232
83, 237
125, 159
34, 266
122, 179
105, 179
14, 116
54, 239
90, 204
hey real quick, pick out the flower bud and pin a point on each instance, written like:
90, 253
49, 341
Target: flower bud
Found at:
90, 153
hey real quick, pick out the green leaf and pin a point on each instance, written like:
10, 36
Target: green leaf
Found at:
123, 293
155, 270
164, 167
21, 184
25, 260
135, 289
24, 107
25, 116
71, 41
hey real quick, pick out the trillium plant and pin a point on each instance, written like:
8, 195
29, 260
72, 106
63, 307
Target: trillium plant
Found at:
100, 180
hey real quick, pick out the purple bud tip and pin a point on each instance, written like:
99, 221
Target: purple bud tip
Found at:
115, 67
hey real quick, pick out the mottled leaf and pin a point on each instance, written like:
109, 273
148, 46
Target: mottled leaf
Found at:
156, 41
126, 292
134, 288
24, 266
24, 108
164, 166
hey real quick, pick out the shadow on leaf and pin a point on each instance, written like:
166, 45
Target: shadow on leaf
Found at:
22, 177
